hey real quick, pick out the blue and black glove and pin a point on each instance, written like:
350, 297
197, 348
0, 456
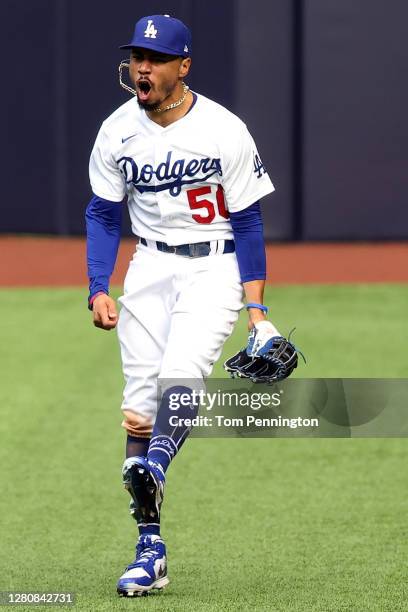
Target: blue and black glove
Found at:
266, 359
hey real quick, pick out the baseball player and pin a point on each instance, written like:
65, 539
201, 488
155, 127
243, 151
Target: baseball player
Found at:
192, 178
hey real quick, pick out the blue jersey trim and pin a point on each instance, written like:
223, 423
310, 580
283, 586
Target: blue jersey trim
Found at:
193, 104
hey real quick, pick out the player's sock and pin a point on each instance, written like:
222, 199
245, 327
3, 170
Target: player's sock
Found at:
149, 529
168, 436
136, 447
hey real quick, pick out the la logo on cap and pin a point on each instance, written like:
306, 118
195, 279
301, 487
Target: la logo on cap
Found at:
150, 31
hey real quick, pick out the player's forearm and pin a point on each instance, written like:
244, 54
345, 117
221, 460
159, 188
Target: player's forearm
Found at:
254, 292
103, 225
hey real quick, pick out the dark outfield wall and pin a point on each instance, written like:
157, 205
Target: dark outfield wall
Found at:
321, 84
355, 153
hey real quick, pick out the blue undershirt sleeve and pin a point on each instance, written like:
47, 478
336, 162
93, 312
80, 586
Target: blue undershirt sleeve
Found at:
247, 227
103, 227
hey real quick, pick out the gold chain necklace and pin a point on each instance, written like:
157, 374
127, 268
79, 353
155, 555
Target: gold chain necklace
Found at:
174, 104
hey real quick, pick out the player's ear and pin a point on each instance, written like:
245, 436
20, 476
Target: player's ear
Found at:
184, 67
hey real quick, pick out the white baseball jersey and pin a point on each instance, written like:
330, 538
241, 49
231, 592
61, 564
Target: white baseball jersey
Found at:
182, 180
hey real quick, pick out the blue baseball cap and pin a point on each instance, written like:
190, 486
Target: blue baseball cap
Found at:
161, 33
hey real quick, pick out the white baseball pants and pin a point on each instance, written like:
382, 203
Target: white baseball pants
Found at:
176, 314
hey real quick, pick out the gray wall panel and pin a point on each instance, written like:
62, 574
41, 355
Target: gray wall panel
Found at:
264, 99
27, 116
355, 119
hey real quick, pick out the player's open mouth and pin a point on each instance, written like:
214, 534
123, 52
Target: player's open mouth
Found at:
144, 89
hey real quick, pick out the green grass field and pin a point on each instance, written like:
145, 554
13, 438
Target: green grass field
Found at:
265, 524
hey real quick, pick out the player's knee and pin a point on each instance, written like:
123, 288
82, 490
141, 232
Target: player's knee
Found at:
137, 424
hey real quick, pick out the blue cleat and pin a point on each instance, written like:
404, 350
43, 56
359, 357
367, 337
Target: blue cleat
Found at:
148, 571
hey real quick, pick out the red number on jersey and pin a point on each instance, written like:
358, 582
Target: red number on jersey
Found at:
222, 209
195, 204
192, 195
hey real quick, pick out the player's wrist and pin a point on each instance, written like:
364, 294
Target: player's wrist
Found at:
92, 298
257, 306
256, 315
256, 311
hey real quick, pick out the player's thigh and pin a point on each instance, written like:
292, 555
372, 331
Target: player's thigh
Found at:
194, 346
142, 347
145, 315
143, 329
202, 320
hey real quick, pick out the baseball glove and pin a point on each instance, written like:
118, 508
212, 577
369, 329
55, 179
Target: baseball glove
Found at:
277, 363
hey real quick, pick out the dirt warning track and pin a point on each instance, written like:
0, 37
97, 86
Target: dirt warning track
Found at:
39, 261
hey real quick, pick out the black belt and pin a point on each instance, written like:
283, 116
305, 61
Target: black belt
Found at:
198, 249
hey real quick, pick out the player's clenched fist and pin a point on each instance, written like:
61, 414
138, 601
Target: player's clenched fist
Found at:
105, 314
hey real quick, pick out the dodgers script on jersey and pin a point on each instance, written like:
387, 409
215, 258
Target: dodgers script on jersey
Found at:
186, 177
